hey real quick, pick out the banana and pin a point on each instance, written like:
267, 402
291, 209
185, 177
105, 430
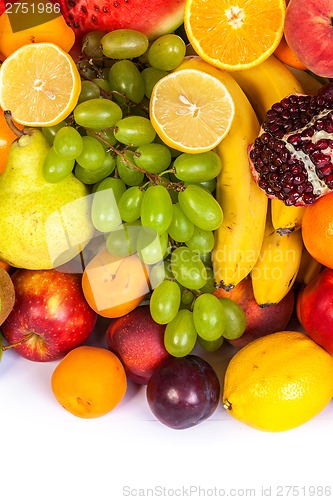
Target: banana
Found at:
308, 269
264, 85
239, 238
309, 83
286, 219
276, 269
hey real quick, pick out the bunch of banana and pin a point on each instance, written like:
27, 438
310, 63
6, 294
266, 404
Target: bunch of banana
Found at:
278, 264
239, 238
264, 85
308, 269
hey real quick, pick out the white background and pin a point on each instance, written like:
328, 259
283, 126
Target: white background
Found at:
47, 453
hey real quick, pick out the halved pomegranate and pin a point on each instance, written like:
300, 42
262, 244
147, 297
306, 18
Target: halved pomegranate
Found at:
292, 158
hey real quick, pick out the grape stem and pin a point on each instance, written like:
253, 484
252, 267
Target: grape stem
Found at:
153, 178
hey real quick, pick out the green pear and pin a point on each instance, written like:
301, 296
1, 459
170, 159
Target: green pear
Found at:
42, 225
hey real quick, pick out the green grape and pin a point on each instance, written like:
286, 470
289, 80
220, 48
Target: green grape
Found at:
92, 154
201, 207
105, 137
129, 174
104, 208
130, 204
117, 185
167, 52
209, 317
150, 77
235, 319
151, 247
153, 157
174, 152
181, 228
98, 174
124, 44
165, 302
125, 78
180, 335
68, 143
122, 241
103, 83
188, 269
187, 297
91, 44
209, 286
208, 185
86, 69
134, 131
55, 167
159, 272
211, 345
89, 90
197, 167
97, 114
201, 241
50, 132
156, 208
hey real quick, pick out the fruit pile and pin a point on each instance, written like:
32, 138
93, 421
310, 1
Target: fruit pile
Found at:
169, 177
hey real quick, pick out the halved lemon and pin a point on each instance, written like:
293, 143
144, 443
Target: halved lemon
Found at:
40, 84
234, 35
191, 111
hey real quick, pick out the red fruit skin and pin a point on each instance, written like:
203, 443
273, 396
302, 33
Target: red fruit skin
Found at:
152, 17
51, 305
139, 342
314, 309
260, 321
308, 31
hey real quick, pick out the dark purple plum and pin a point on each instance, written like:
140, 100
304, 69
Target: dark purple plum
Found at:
184, 391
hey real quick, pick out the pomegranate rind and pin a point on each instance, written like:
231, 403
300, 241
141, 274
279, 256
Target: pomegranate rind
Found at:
292, 157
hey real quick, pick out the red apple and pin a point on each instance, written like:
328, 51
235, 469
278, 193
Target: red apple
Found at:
260, 321
308, 31
50, 315
314, 309
139, 342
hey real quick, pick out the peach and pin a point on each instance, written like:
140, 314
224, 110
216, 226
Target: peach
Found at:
260, 321
139, 342
308, 31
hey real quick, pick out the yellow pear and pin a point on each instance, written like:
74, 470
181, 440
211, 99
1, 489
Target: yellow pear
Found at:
42, 225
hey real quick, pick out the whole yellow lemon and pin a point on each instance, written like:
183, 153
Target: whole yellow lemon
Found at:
278, 382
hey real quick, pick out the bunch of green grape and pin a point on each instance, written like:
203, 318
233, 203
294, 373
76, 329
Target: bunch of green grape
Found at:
147, 198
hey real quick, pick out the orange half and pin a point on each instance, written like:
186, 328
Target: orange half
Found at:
234, 35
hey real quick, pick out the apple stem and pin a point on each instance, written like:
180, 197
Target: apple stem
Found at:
15, 344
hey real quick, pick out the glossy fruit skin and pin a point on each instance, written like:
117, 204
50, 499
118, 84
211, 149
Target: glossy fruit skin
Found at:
50, 304
183, 392
260, 321
138, 341
314, 309
152, 18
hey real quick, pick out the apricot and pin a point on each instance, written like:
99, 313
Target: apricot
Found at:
89, 381
114, 286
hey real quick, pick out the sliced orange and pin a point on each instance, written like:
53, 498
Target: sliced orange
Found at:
234, 35
40, 84
191, 111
